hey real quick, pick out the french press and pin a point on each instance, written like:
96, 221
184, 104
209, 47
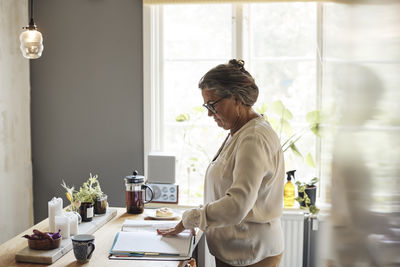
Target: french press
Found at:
135, 192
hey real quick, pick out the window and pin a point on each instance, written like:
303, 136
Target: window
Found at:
279, 43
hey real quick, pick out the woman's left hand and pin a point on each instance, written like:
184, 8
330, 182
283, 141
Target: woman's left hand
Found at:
172, 231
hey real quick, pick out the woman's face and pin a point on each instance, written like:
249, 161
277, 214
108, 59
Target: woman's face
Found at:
226, 109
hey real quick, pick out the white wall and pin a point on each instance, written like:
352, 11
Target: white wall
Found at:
16, 204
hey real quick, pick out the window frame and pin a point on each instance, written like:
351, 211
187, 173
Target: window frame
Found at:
153, 74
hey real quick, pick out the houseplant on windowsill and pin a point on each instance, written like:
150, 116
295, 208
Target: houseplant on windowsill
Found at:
279, 117
307, 194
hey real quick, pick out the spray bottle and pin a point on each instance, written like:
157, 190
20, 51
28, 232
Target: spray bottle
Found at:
289, 190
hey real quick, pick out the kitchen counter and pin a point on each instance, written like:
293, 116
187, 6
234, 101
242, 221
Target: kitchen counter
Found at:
103, 241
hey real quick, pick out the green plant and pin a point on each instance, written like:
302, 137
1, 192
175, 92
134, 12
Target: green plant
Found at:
279, 116
304, 199
90, 190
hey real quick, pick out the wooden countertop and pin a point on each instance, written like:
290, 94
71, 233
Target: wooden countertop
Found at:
103, 241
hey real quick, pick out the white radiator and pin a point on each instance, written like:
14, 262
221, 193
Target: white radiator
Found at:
293, 230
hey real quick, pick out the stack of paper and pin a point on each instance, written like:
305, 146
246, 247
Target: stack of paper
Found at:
139, 240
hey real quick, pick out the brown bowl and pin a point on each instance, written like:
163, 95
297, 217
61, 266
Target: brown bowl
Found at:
44, 244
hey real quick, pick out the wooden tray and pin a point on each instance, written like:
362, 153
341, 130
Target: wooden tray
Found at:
50, 256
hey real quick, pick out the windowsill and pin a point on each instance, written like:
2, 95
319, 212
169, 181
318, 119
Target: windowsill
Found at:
324, 208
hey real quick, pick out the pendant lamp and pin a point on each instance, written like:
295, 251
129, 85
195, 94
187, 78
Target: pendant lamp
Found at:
31, 39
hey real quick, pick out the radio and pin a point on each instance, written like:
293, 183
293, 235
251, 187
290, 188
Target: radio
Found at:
164, 193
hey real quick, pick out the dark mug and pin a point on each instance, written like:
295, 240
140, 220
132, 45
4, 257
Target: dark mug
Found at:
83, 247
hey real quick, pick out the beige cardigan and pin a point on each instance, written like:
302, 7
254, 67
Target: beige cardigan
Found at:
243, 197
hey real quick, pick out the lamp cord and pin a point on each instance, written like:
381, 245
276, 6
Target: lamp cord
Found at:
31, 10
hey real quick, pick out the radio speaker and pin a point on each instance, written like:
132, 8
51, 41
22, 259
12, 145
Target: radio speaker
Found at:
164, 193
161, 168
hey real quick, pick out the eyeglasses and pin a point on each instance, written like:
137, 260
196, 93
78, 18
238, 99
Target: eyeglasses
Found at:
210, 106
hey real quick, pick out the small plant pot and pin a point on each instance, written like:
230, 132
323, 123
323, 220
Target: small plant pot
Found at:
86, 211
100, 205
311, 193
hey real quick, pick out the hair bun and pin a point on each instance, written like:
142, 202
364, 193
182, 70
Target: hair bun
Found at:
239, 63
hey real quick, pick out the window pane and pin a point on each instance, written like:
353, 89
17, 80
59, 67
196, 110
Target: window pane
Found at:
292, 82
192, 45
197, 31
189, 139
355, 33
283, 29
181, 92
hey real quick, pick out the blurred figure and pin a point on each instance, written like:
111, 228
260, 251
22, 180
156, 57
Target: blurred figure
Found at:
361, 235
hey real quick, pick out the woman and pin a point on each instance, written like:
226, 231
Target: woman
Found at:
244, 182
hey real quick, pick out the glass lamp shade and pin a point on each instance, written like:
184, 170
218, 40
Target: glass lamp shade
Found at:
31, 44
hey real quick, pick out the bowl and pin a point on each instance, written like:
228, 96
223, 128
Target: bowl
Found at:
44, 244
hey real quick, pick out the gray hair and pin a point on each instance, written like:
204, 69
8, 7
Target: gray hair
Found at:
231, 79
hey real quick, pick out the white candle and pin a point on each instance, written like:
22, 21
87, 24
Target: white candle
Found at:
54, 209
73, 223
62, 223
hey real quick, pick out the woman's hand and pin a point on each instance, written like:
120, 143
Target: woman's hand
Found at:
172, 231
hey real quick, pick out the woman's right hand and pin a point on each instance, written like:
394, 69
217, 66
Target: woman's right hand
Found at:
172, 231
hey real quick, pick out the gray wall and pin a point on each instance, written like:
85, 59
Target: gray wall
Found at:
86, 97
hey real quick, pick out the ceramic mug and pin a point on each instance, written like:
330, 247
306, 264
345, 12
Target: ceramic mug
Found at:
83, 247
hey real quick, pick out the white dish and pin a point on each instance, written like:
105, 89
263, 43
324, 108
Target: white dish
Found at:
173, 217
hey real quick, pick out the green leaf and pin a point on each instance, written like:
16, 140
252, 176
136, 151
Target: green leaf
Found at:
313, 117
182, 117
278, 107
314, 120
315, 129
198, 109
273, 122
310, 160
262, 109
314, 209
281, 110
287, 129
313, 181
295, 150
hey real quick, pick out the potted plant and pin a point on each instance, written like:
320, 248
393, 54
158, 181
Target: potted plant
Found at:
84, 195
90, 192
99, 198
307, 193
